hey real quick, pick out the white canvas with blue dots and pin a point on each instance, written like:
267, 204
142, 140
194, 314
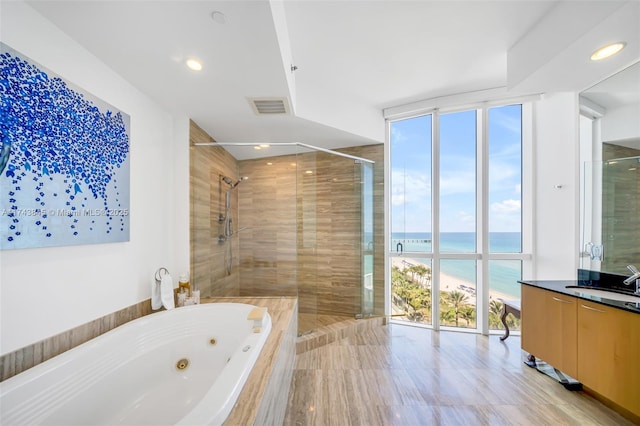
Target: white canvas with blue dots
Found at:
64, 161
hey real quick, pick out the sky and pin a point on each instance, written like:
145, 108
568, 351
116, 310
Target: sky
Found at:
411, 169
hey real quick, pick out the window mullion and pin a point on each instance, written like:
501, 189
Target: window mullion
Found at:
528, 191
435, 221
482, 301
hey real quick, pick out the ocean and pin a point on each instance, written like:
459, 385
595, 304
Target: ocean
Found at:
503, 274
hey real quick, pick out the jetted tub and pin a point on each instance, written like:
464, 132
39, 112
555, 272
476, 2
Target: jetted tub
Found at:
184, 366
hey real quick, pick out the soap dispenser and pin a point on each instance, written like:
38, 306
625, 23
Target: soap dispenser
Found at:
183, 284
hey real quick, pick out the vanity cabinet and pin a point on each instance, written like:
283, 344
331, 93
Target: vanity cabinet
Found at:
597, 344
609, 353
549, 329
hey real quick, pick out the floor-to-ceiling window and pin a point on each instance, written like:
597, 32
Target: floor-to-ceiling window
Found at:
456, 217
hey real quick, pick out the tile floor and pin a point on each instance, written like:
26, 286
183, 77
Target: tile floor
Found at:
400, 375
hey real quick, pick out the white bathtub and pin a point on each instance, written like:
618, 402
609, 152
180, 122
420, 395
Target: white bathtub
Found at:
129, 376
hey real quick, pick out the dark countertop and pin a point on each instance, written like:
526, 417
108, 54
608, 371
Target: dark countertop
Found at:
559, 286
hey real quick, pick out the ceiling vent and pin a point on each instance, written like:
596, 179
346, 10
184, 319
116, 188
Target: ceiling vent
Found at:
269, 106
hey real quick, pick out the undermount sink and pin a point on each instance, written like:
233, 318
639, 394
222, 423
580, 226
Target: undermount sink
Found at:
605, 294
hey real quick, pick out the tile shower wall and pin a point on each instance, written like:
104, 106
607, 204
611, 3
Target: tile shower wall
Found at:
208, 258
268, 258
322, 226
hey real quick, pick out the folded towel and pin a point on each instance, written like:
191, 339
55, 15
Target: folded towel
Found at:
156, 299
166, 291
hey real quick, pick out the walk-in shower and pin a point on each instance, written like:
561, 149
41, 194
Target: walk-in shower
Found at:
308, 217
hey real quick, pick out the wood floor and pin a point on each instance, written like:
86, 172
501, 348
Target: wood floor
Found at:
400, 375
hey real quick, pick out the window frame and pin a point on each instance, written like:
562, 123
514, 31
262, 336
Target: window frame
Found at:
482, 256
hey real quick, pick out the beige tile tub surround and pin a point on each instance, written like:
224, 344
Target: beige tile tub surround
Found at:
22, 359
263, 399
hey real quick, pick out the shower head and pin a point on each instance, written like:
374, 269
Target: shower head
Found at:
239, 180
228, 181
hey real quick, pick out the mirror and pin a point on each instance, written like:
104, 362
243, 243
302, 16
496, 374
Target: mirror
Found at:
610, 166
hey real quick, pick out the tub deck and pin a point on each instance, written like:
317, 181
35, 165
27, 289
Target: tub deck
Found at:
270, 378
262, 400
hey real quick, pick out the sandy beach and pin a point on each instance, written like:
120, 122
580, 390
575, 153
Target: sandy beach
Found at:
449, 283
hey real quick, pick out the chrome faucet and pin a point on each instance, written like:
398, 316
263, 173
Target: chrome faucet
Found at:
635, 276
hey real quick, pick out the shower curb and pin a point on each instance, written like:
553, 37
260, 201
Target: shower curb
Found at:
340, 330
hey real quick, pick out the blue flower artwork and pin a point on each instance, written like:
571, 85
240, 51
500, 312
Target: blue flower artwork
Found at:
64, 160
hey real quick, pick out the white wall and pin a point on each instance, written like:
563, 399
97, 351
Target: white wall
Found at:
180, 206
556, 163
622, 123
46, 291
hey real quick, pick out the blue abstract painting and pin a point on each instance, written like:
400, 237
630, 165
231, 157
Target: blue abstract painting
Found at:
64, 160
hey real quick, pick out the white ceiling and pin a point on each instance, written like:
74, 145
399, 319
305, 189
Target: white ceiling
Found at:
619, 90
354, 57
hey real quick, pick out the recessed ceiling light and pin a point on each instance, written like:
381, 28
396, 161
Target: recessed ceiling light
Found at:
269, 164
608, 50
257, 148
264, 145
309, 172
194, 64
218, 17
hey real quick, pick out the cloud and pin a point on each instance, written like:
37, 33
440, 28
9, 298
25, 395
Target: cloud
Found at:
503, 176
506, 207
410, 187
509, 122
505, 216
459, 183
397, 136
458, 221
410, 201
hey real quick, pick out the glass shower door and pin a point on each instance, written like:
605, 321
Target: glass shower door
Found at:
364, 175
620, 217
